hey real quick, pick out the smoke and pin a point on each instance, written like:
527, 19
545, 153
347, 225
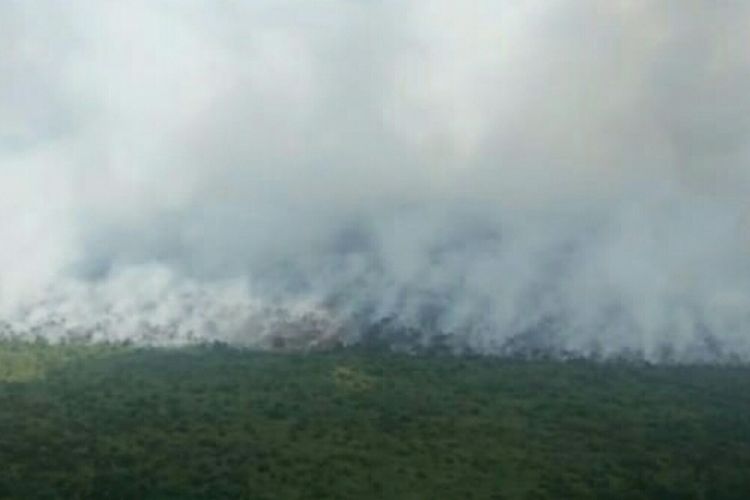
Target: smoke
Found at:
561, 175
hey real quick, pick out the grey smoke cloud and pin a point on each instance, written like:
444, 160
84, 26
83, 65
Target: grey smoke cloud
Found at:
574, 173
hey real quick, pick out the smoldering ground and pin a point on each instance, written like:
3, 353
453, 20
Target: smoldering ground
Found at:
570, 176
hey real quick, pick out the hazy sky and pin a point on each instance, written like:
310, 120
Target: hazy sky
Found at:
220, 168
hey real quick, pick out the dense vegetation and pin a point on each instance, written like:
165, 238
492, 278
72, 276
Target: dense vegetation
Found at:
83, 421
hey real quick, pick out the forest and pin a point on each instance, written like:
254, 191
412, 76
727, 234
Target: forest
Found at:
82, 420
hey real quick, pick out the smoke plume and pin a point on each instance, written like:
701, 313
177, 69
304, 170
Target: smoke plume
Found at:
562, 175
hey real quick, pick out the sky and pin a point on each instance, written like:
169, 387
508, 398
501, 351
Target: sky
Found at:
570, 174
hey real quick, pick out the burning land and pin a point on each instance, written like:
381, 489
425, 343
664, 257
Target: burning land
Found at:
374, 249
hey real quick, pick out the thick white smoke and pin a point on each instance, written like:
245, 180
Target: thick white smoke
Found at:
566, 175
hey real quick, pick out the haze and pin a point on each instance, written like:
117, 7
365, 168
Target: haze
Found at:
574, 172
